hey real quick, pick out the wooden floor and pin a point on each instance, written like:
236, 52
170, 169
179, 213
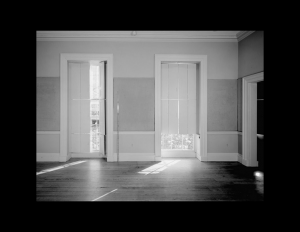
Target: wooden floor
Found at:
187, 180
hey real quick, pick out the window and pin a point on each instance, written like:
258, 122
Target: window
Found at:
177, 141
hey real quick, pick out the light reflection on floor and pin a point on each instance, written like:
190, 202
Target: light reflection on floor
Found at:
157, 168
59, 167
259, 181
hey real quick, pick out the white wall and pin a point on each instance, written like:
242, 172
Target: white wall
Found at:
250, 61
136, 59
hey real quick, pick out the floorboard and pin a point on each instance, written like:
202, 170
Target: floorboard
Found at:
187, 180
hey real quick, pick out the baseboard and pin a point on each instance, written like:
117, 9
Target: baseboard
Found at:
178, 154
240, 158
85, 155
222, 157
222, 132
135, 157
203, 158
47, 157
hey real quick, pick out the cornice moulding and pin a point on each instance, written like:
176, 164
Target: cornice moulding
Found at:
155, 36
243, 34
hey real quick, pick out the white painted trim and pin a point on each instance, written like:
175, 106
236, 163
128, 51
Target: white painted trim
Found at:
135, 157
86, 155
48, 132
222, 132
177, 154
219, 40
226, 78
202, 59
47, 157
249, 126
135, 132
222, 157
64, 58
240, 158
149, 36
243, 34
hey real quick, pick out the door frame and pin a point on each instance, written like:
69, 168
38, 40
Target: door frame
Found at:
64, 154
249, 117
202, 60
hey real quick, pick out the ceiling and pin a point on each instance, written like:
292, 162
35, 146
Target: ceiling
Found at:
166, 36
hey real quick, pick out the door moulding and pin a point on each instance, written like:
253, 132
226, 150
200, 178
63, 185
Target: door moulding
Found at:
249, 141
64, 154
202, 61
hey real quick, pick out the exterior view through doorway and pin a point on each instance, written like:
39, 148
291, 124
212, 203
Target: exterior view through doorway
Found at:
180, 90
179, 108
86, 106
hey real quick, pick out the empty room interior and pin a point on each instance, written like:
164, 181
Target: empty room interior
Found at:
149, 116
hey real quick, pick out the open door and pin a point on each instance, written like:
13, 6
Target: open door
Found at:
87, 102
102, 103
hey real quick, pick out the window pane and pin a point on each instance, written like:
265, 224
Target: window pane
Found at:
188, 142
176, 141
95, 142
166, 141
95, 110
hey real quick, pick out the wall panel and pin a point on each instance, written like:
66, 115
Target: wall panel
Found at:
47, 104
136, 104
222, 105
134, 143
222, 143
47, 143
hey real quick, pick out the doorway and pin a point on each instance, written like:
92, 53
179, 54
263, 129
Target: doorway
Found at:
179, 108
87, 107
199, 136
66, 145
249, 141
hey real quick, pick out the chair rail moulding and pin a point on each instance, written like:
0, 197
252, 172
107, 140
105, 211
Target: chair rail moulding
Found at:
47, 132
64, 58
202, 60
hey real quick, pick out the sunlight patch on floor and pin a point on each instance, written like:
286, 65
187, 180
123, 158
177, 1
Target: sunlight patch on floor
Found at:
157, 168
59, 167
